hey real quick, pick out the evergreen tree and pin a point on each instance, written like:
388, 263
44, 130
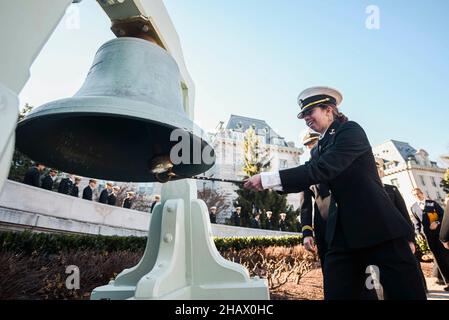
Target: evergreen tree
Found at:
256, 161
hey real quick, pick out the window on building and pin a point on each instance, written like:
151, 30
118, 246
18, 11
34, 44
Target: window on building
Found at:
395, 182
422, 180
282, 164
432, 179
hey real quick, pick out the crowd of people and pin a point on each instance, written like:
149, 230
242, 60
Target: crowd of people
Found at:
69, 185
256, 221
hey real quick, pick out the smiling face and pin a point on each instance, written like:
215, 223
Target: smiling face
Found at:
318, 119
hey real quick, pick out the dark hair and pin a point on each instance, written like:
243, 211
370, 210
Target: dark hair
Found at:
337, 114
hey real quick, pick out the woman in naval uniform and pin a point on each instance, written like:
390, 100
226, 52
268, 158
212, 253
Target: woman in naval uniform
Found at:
365, 228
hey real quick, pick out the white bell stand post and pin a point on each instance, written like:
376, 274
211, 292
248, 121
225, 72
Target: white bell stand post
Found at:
181, 260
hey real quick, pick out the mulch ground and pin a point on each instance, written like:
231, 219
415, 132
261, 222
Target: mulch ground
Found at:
311, 286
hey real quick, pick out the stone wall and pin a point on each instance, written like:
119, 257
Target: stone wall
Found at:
25, 207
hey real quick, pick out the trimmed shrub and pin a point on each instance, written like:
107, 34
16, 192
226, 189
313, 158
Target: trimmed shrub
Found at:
28, 242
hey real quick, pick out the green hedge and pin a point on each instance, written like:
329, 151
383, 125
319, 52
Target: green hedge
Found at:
239, 243
28, 242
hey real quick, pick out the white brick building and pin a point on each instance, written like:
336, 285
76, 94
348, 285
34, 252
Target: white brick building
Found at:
408, 168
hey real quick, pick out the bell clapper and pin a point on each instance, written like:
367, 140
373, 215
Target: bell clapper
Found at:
159, 165
162, 164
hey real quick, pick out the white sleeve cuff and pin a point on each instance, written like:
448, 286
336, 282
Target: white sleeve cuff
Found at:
271, 180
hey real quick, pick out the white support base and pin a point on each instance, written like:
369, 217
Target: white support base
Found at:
181, 260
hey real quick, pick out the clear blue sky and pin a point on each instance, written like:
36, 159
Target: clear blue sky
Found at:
253, 57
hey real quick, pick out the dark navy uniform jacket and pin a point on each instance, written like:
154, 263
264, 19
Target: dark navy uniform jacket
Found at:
87, 193
65, 186
104, 196
32, 177
365, 215
399, 203
47, 182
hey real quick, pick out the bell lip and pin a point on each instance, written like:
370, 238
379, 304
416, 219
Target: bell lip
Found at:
89, 105
49, 110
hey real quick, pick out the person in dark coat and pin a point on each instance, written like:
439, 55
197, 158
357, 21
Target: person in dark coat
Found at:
284, 225
364, 227
314, 204
398, 201
255, 222
88, 190
235, 217
105, 193
33, 175
157, 199
112, 198
66, 185
127, 203
47, 181
269, 223
75, 188
427, 217
213, 214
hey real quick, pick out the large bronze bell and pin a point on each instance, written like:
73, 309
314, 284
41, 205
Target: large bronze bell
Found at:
119, 123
